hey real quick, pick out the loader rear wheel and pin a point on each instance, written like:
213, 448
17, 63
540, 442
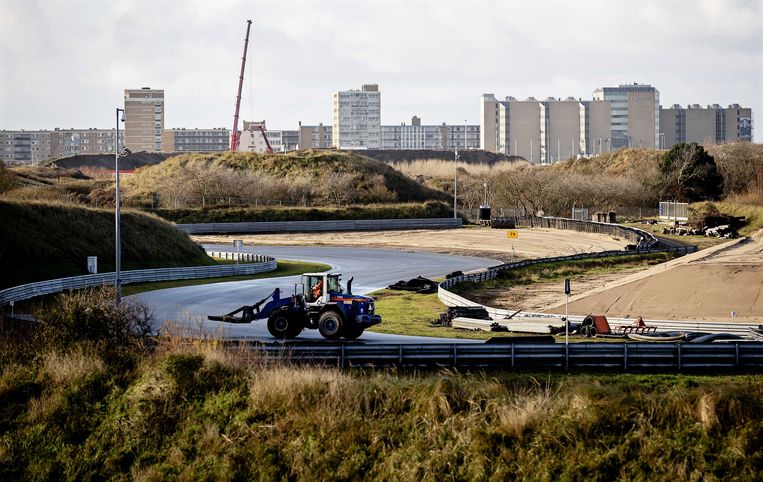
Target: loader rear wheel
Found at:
330, 325
283, 324
353, 332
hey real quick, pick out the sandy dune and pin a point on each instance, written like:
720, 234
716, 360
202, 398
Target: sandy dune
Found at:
708, 285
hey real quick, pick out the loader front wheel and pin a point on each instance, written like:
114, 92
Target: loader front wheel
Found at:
330, 325
353, 332
282, 324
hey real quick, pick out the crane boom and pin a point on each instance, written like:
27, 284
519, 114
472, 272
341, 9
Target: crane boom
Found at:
234, 135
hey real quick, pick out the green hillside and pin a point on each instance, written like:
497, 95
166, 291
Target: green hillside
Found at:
44, 241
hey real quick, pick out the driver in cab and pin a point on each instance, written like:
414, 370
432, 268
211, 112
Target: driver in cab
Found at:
318, 290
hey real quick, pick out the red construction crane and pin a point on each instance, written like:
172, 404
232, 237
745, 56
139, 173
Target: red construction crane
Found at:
235, 135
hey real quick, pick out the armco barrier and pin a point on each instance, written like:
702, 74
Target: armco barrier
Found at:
619, 356
258, 264
643, 239
319, 226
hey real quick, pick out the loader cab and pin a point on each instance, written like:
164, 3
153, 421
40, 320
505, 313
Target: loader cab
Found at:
319, 285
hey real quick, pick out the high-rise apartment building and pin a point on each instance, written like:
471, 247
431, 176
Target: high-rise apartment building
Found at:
357, 118
635, 115
144, 119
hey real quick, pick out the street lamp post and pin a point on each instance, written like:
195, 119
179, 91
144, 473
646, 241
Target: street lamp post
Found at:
117, 233
455, 184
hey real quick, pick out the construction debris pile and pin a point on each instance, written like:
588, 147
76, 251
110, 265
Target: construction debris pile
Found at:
417, 285
725, 231
474, 312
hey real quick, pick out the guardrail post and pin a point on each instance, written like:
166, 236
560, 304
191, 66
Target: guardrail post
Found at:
341, 358
736, 355
455, 356
678, 347
512, 355
400, 355
625, 356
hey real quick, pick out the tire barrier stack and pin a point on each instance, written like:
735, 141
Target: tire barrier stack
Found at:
258, 264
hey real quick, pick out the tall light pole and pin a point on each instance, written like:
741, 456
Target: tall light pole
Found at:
455, 184
117, 234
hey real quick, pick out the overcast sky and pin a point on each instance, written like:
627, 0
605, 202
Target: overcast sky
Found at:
65, 63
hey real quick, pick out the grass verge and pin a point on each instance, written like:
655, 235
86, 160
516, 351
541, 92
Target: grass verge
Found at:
557, 271
406, 313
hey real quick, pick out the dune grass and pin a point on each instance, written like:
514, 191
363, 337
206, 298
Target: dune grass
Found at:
201, 412
432, 209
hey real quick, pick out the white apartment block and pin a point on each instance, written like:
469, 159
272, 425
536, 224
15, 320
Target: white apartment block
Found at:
144, 119
356, 122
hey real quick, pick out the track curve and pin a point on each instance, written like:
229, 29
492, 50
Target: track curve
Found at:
372, 269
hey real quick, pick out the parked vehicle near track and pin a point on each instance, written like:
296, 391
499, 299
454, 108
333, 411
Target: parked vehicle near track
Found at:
322, 303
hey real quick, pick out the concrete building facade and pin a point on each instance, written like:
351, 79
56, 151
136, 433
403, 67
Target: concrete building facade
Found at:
356, 118
635, 115
437, 137
144, 119
705, 125
196, 140
314, 137
33, 147
598, 115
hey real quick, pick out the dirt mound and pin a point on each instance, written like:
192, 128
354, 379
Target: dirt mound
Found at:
106, 161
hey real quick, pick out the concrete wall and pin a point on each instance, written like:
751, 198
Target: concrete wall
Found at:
564, 129
598, 114
523, 119
641, 119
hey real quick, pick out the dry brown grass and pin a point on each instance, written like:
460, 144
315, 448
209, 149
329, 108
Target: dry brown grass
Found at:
438, 168
68, 367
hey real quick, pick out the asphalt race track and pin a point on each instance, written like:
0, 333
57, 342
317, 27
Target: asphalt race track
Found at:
373, 269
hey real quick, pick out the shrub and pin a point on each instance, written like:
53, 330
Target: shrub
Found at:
690, 174
92, 316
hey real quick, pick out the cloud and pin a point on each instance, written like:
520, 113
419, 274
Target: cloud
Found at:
66, 63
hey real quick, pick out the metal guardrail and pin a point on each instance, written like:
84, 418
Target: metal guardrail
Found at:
643, 239
620, 356
259, 264
320, 226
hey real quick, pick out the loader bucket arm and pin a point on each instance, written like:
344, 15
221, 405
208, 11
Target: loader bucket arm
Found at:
250, 313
